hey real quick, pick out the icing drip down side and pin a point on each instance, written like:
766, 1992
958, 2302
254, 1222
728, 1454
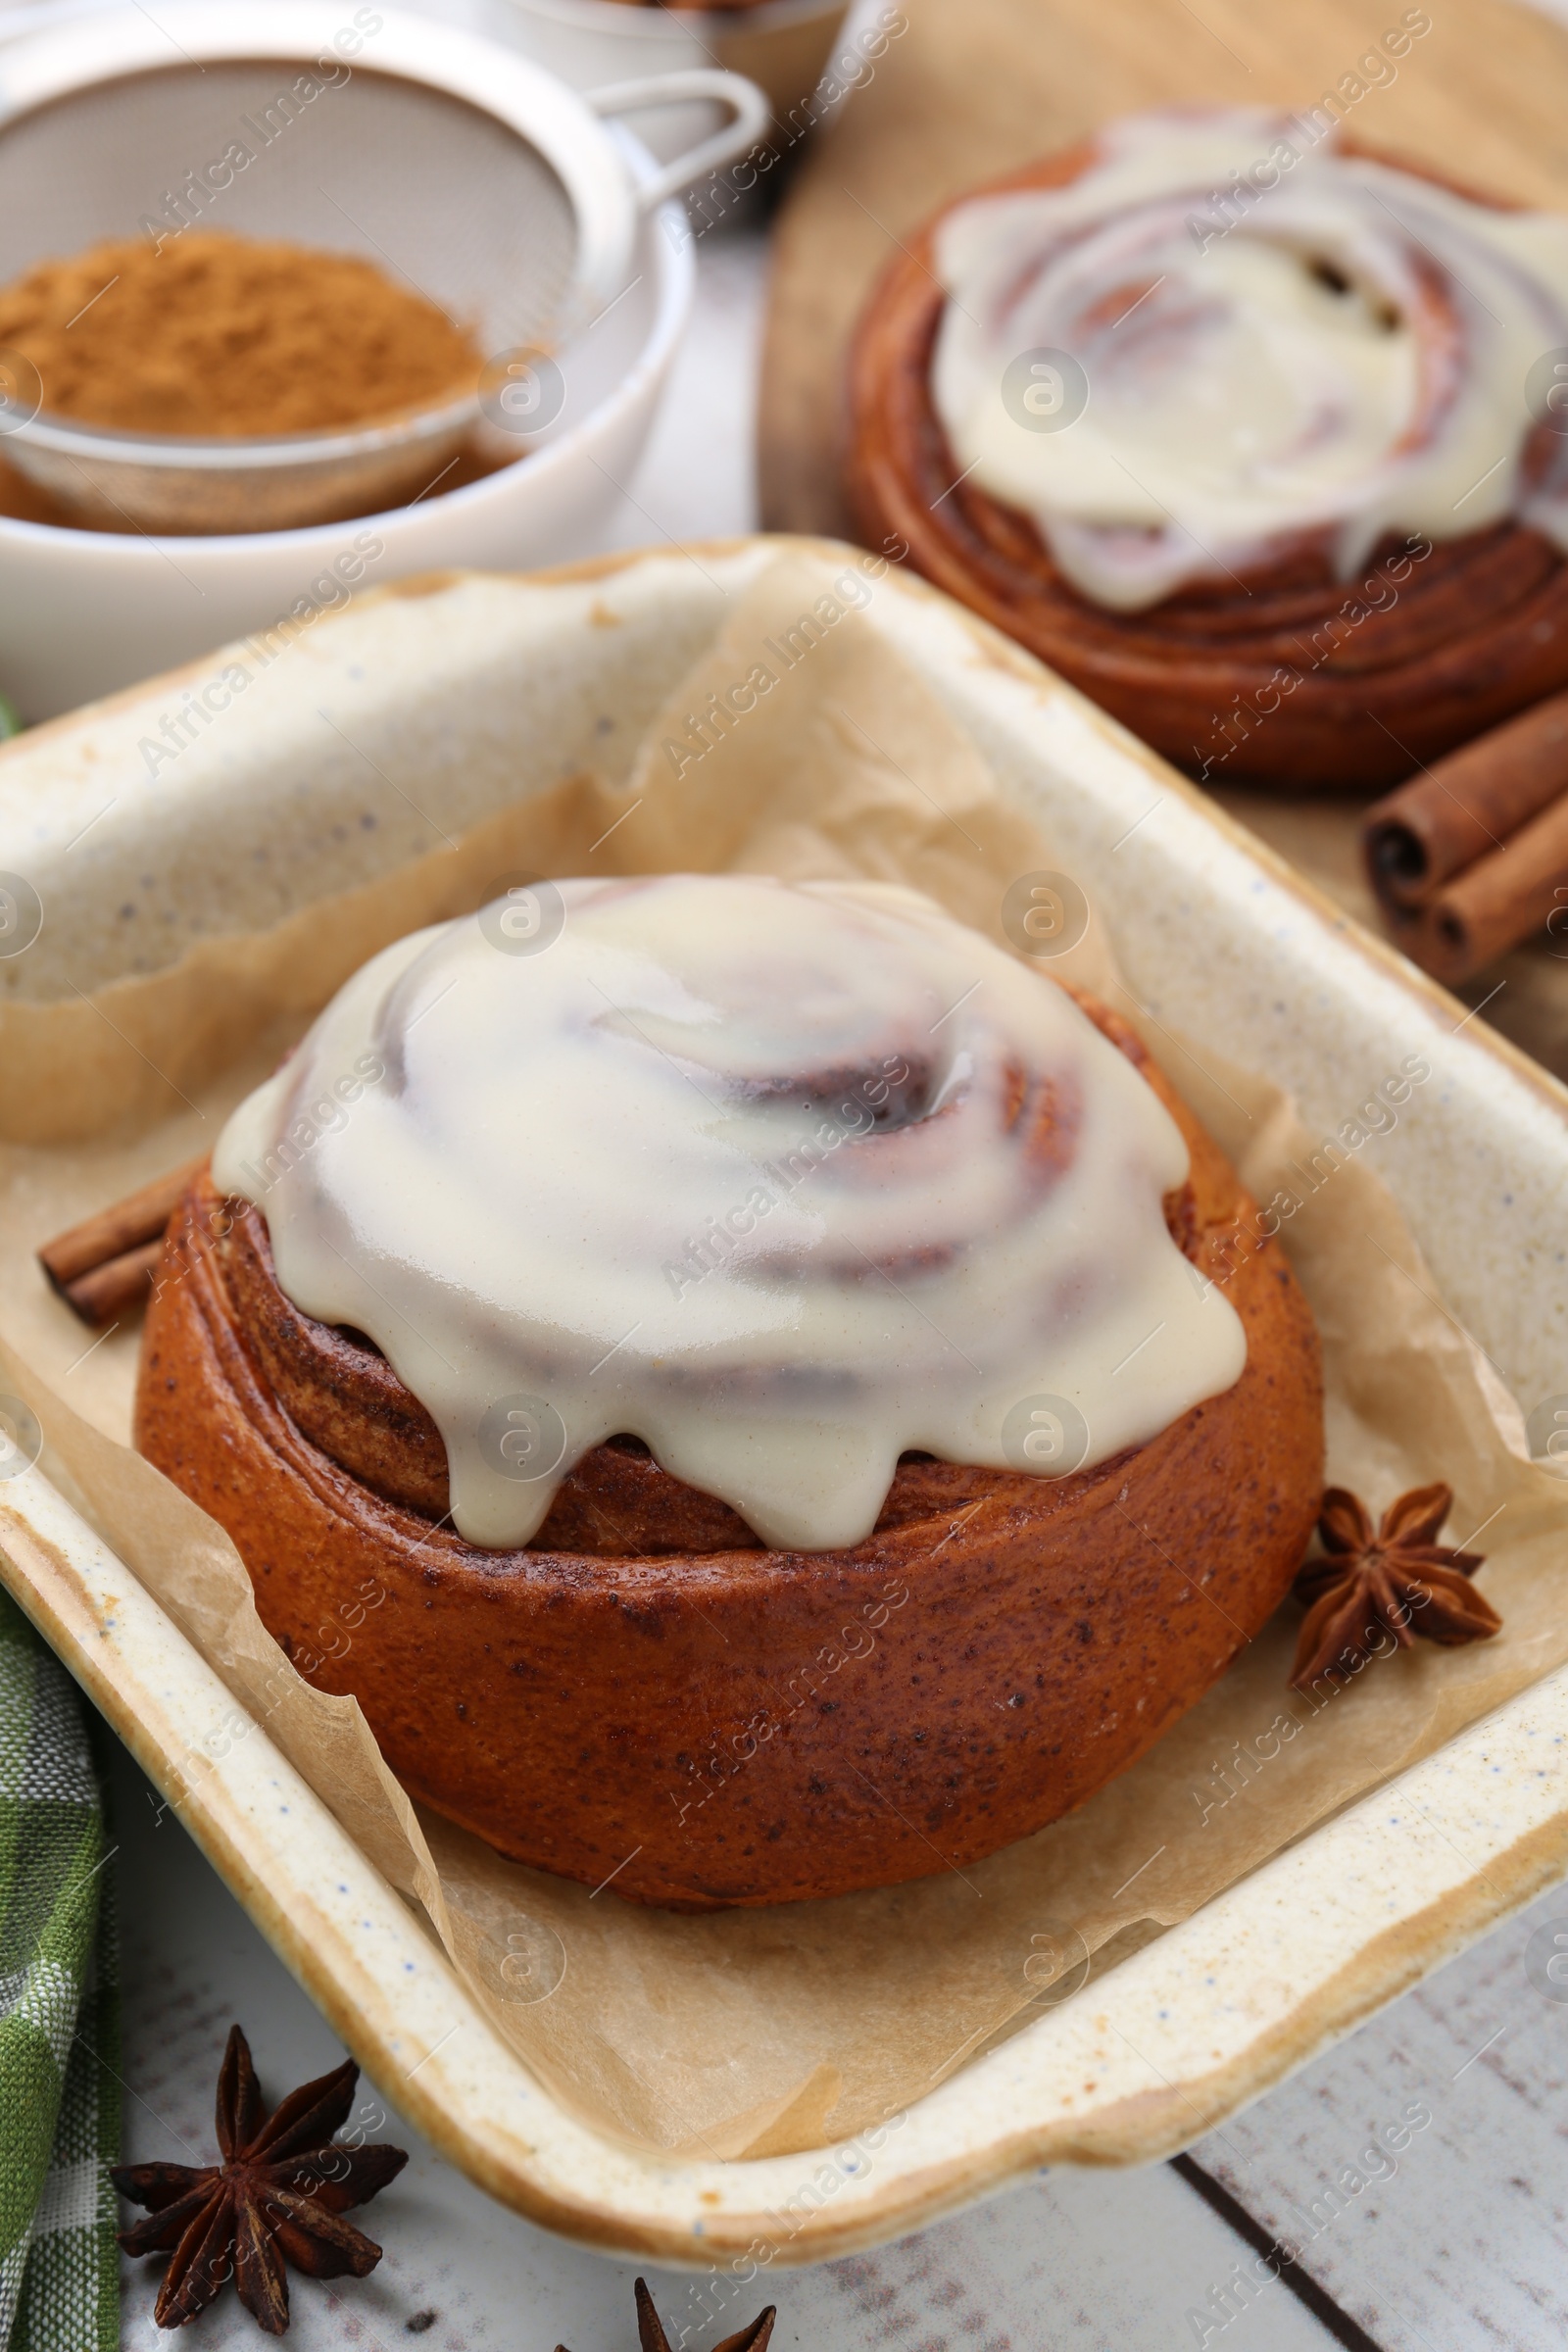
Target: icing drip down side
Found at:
785, 1180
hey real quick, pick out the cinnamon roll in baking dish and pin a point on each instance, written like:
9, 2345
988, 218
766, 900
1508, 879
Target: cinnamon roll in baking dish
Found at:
757, 1391
1256, 438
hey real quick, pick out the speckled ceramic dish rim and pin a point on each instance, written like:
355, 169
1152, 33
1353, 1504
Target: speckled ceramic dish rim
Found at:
1224, 939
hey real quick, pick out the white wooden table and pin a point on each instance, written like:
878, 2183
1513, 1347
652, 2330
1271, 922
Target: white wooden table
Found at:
1461, 2244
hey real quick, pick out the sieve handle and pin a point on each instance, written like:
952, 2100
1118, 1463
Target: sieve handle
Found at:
748, 106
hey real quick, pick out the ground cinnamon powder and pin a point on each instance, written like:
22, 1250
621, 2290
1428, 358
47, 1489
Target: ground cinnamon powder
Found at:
219, 334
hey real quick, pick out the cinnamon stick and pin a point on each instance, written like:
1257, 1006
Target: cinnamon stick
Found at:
105, 1264
116, 1287
1496, 902
1466, 807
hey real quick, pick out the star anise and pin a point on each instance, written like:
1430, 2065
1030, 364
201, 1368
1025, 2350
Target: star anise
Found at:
279, 2192
651, 2334
1398, 1580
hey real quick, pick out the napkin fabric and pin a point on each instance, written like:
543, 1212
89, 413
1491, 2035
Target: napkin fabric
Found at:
59, 2016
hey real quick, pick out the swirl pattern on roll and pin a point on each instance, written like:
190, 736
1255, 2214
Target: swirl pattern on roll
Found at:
1319, 350
784, 1180
1265, 664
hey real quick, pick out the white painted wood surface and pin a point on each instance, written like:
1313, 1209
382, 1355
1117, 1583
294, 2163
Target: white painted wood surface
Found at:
1462, 2246
1074, 2262
1466, 2244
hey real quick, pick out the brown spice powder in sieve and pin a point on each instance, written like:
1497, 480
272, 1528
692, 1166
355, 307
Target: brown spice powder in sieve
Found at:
227, 335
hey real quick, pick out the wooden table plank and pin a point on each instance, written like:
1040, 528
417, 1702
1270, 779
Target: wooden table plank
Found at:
1465, 2243
1073, 2262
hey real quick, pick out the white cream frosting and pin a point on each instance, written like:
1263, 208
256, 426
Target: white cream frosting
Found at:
1278, 340
756, 1172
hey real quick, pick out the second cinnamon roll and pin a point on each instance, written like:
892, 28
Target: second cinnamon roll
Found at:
1252, 435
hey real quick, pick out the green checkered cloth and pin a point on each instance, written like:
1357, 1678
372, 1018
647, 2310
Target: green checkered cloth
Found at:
59, 2016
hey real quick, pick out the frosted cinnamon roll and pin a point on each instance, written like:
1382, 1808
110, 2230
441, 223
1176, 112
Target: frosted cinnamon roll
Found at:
653, 1290
1249, 433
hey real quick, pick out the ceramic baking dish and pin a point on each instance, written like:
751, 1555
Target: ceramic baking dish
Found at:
506, 685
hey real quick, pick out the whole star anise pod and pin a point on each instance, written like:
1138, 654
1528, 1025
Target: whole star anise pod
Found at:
279, 2192
651, 2334
1399, 1581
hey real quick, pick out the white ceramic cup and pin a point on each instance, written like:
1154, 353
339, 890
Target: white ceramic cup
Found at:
84, 612
783, 46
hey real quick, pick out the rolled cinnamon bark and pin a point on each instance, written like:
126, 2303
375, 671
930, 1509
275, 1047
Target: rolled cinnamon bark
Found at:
140, 1217
1496, 902
105, 1264
1465, 807
117, 1286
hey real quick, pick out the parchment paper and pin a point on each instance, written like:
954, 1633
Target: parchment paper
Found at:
751, 2032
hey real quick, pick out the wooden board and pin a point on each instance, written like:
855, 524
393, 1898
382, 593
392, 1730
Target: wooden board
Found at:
976, 87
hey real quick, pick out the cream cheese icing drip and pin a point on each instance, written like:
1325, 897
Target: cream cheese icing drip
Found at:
783, 1180
1281, 343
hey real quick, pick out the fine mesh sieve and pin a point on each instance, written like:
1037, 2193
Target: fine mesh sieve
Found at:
457, 168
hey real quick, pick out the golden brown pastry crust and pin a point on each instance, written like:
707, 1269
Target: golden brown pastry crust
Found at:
711, 1721
1479, 630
